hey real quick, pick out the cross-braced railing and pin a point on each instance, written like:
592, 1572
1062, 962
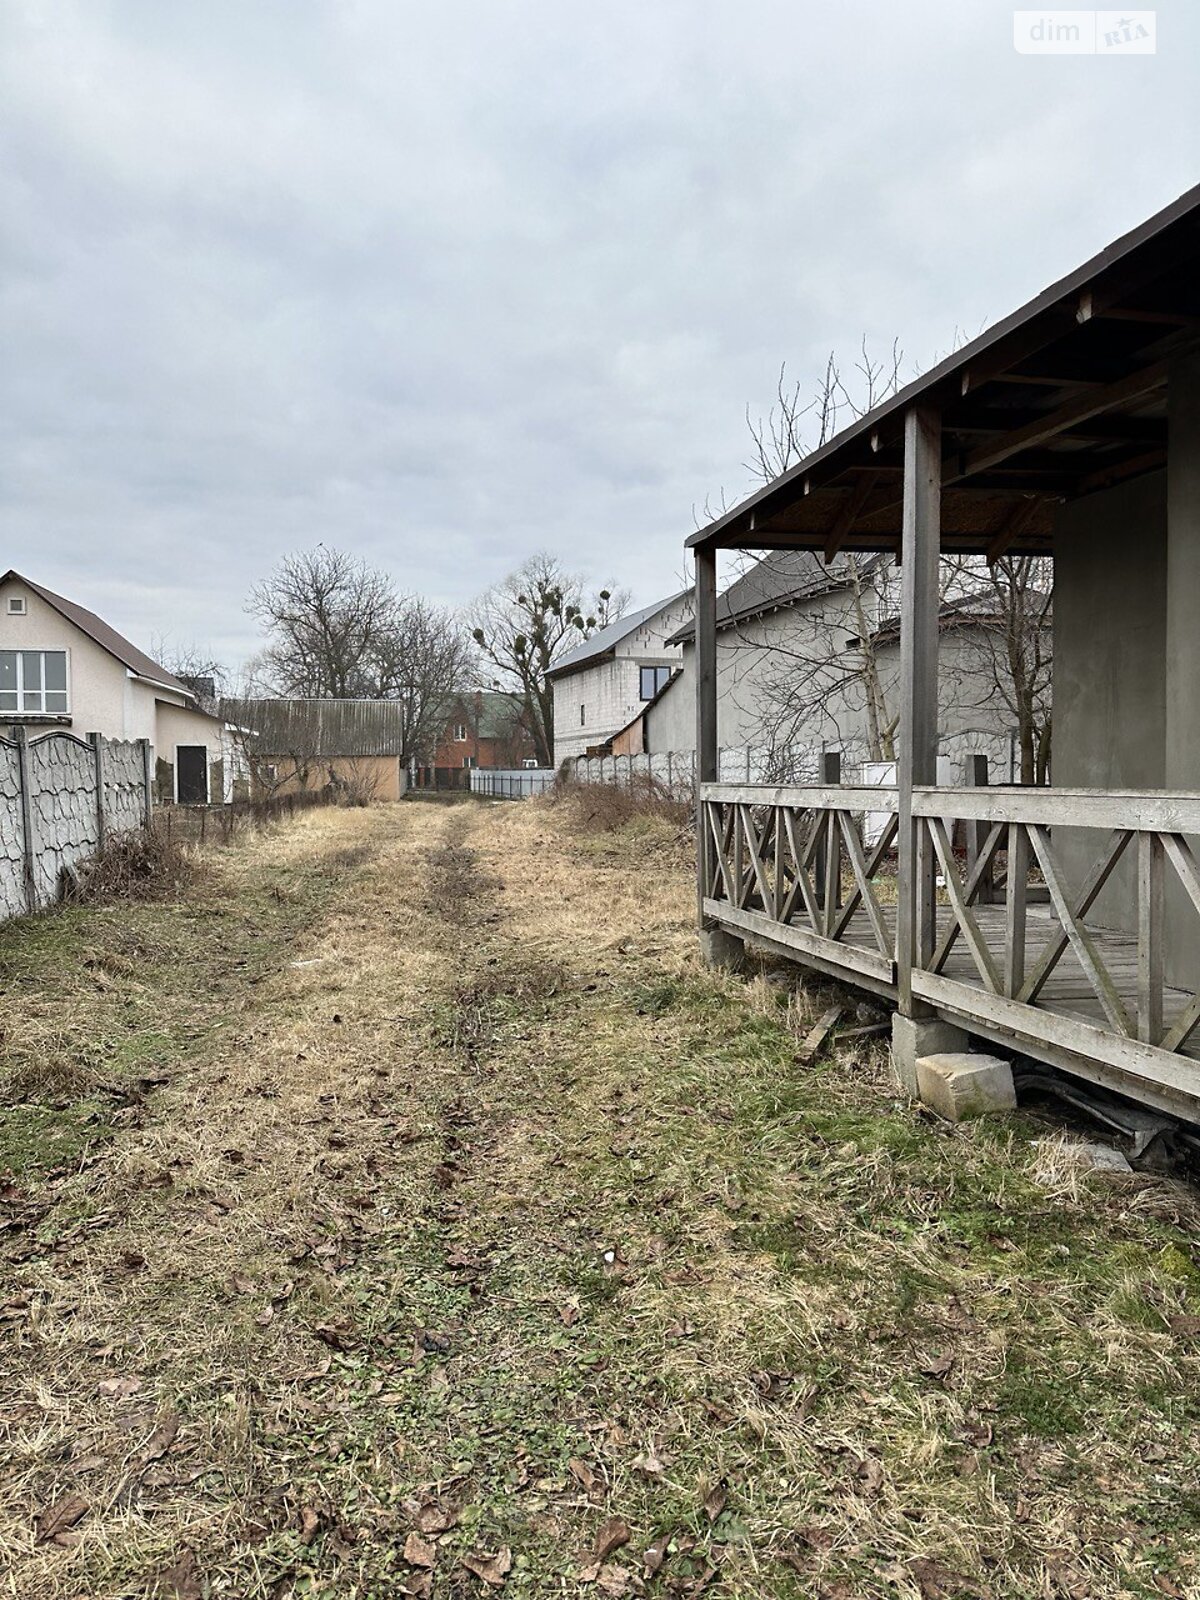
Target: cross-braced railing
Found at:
1042, 835
1068, 919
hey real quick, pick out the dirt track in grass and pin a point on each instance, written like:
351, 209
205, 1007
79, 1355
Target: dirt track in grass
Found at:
408, 1212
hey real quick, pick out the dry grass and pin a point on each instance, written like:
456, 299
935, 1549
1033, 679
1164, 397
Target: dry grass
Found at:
472, 1200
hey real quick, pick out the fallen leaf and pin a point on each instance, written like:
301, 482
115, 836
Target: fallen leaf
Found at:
1187, 1327
714, 1502
568, 1313
242, 1284
336, 1335
492, 1569
52, 1523
430, 1515
937, 1366
655, 1554
584, 1476
119, 1388
938, 1582
418, 1584
871, 1473
160, 1440
266, 1316
649, 1465
310, 1524
419, 1552
182, 1580
613, 1580
613, 1534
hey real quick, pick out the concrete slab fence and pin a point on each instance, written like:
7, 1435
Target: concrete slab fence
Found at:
60, 797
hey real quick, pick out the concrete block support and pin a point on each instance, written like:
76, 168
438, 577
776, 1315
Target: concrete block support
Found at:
913, 1037
721, 949
961, 1086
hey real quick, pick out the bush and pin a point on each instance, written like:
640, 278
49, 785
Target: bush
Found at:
140, 865
605, 807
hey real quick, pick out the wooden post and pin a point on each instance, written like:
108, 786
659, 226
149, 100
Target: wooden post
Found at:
147, 783
21, 736
98, 767
829, 851
706, 707
1016, 898
1150, 938
976, 775
916, 763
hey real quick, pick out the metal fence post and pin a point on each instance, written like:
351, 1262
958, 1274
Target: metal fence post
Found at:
147, 784
21, 738
98, 768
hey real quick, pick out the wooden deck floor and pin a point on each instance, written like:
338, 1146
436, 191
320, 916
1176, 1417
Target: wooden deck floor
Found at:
1067, 992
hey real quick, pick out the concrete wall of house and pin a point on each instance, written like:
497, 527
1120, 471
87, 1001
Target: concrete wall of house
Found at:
755, 659
609, 692
1110, 664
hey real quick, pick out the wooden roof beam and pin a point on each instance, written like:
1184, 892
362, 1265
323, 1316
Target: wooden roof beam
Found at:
1079, 409
848, 515
1011, 529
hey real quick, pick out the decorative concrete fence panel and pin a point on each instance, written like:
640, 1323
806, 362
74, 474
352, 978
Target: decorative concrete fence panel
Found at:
675, 771
60, 796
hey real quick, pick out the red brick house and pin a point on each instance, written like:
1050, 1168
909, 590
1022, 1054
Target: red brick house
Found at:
483, 728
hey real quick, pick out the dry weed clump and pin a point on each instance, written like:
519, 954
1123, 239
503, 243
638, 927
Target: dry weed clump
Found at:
607, 807
142, 864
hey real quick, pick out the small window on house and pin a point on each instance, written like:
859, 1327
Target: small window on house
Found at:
582, 715
460, 732
271, 772
16, 605
653, 679
33, 681
529, 761
469, 761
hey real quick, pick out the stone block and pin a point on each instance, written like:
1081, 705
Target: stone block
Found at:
913, 1037
719, 948
959, 1086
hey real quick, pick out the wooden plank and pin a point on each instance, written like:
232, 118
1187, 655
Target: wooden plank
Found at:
1179, 853
805, 797
1081, 940
862, 879
917, 730
756, 864
1085, 1039
1150, 939
979, 873
1011, 529
706, 706
1099, 875
801, 885
1158, 812
848, 514
818, 1034
1016, 903
842, 960
1078, 409
832, 863
718, 851
882, 846
976, 943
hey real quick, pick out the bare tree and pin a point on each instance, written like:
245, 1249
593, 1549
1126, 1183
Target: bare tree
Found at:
325, 614
842, 668
194, 665
338, 629
525, 623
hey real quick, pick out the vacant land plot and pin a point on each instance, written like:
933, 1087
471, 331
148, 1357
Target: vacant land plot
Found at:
406, 1211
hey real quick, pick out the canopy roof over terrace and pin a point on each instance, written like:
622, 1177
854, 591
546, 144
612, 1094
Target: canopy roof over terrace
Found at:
1062, 398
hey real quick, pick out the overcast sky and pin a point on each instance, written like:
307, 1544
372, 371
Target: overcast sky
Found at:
442, 284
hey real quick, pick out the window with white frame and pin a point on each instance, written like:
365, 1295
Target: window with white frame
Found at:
460, 732
33, 681
470, 761
16, 605
653, 681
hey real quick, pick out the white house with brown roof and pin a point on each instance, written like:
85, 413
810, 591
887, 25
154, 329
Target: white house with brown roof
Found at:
61, 666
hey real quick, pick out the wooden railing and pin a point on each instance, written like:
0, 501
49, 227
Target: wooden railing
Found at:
1024, 827
1007, 932
781, 856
